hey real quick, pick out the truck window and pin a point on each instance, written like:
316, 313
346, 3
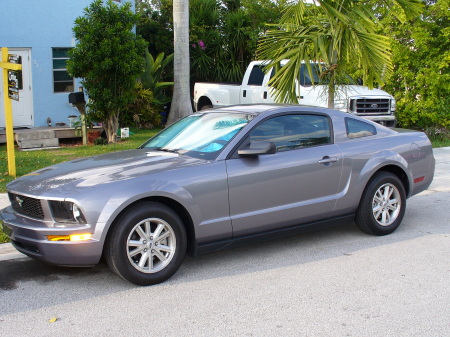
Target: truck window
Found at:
256, 76
305, 79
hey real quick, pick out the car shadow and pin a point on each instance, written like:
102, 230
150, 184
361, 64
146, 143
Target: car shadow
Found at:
27, 283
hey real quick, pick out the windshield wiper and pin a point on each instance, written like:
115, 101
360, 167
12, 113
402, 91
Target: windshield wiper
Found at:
166, 150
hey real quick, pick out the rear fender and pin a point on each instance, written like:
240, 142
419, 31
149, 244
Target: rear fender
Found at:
385, 160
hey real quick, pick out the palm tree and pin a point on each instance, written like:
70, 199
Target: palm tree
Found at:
338, 33
181, 101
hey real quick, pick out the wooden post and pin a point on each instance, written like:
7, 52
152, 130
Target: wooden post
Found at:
6, 65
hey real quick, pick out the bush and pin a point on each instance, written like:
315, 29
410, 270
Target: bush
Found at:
143, 113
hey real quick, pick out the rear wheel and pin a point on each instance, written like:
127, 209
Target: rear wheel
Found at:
382, 205
147, 244
205, 107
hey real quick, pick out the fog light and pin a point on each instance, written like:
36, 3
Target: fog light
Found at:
58, 237
73, 237
80, 237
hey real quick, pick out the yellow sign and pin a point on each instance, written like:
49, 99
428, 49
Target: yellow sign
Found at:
7, 66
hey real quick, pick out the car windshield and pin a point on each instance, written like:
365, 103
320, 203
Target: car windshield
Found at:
199, 135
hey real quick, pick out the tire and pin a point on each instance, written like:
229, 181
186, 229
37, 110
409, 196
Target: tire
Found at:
146, 244
382, 205
207, 106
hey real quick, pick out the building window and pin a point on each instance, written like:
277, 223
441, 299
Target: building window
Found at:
62, 81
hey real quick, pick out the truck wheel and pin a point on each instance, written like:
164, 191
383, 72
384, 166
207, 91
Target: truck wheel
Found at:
382, 205
208, 106
147, 244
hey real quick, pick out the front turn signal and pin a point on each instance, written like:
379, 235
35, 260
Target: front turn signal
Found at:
73, 237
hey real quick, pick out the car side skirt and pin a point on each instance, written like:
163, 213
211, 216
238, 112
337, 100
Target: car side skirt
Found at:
209, 247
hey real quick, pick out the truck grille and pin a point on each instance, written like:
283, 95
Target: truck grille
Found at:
26, 206
370, 105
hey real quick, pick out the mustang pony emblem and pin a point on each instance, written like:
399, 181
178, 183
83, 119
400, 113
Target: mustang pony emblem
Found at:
19, 200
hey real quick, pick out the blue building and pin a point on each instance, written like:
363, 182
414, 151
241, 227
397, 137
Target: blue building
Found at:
41, 32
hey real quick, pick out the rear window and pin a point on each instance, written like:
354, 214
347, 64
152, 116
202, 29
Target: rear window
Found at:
358, 129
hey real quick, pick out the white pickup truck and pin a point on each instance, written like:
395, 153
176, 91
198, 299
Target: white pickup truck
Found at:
375, 104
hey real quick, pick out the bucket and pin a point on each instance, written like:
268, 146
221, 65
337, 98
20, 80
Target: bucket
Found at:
72, 121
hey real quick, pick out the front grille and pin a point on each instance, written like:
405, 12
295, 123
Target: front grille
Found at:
370, 105
26, 206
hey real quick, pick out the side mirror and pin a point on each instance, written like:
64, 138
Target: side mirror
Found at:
258, 147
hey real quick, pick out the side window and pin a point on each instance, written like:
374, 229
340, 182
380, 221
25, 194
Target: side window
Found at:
292, 132
256, 76
358, 129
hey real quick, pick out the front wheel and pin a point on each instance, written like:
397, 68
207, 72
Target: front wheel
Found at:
382, 205
147, 244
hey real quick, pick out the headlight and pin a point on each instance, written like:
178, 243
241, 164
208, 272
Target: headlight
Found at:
393, 104
340, 104
66, 211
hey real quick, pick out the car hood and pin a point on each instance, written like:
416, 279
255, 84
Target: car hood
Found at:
347, 91
92, 171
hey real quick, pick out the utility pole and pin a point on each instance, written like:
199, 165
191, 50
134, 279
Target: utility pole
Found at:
10, 65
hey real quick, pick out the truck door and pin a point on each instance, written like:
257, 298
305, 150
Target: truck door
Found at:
253, 91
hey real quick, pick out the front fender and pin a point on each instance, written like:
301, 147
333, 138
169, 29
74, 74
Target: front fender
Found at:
122, 199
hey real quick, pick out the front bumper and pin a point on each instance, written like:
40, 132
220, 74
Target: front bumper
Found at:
387, 120
29, 236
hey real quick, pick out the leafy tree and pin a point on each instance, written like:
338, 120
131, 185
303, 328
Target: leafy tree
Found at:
151, 78
109, 58
144, 111
223, 34
339, 33
421, 76
156, 25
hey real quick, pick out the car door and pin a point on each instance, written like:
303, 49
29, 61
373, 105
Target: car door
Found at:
297, 184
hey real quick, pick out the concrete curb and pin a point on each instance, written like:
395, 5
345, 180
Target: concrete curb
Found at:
8, 252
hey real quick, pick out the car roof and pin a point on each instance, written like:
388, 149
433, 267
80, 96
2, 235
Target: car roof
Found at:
257, 109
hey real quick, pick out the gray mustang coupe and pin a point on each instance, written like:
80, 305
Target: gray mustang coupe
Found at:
217, 179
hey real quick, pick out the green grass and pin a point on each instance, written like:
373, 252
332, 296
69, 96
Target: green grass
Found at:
3, 237
440, 142
29, 161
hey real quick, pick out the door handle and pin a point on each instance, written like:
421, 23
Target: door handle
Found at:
244, 93
328, 160
265, 94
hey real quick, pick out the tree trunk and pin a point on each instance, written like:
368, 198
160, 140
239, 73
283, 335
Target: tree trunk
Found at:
330, 92
332, 84
181, 100
110, 126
